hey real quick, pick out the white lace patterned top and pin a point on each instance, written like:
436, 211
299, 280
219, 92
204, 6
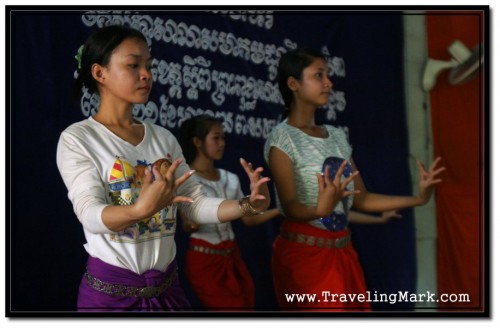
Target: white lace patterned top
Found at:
307, 154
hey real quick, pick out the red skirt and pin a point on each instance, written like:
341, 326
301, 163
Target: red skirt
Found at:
219, 276
313, 277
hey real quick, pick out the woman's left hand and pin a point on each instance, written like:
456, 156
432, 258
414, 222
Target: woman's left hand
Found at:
259, 192
428, 179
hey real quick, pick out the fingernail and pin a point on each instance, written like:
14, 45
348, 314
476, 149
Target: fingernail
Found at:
191, 172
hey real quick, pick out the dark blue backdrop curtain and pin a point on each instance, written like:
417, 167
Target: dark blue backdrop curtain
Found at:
204, 61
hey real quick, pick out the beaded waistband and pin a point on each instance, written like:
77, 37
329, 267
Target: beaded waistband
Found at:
129, 291
211, 251
300, 238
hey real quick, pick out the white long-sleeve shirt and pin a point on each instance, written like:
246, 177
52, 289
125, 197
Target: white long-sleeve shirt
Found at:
99, 169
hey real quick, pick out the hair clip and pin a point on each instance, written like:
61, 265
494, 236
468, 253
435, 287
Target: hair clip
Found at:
78, 56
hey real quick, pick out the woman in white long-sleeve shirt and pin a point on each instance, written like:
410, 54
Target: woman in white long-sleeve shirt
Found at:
126, 179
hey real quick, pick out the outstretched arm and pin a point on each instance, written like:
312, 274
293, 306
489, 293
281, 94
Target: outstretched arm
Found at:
259, 198
260, 218
363, 218
371, 202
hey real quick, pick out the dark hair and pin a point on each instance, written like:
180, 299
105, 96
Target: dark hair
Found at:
98, 50
292, 64
197, 126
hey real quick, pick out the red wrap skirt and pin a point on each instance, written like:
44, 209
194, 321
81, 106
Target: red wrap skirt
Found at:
317, 270
219, 276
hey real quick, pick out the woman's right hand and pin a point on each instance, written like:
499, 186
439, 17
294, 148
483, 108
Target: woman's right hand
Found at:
160, 192
331, 191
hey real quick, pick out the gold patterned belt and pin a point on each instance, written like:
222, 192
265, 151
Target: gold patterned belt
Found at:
129, 291
300, 238
211, 251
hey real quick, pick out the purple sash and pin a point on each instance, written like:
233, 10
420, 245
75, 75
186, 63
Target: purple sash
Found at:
101, 275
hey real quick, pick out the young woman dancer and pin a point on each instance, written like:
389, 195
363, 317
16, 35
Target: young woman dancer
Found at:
225, 283
126, 179
313, 253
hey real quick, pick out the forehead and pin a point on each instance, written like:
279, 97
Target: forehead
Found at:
133, 47
318, 63
216, 127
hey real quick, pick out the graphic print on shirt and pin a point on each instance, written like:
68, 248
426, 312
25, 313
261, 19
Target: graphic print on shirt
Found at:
125, 183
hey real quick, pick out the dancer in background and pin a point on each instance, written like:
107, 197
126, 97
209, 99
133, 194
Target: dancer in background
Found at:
214, 267
317, 183
126, 178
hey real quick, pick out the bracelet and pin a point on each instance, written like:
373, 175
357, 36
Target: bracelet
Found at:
246, 207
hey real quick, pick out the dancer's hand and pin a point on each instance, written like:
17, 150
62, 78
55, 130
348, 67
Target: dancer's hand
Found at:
259, 192
161, 192
428, 180
331, 191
